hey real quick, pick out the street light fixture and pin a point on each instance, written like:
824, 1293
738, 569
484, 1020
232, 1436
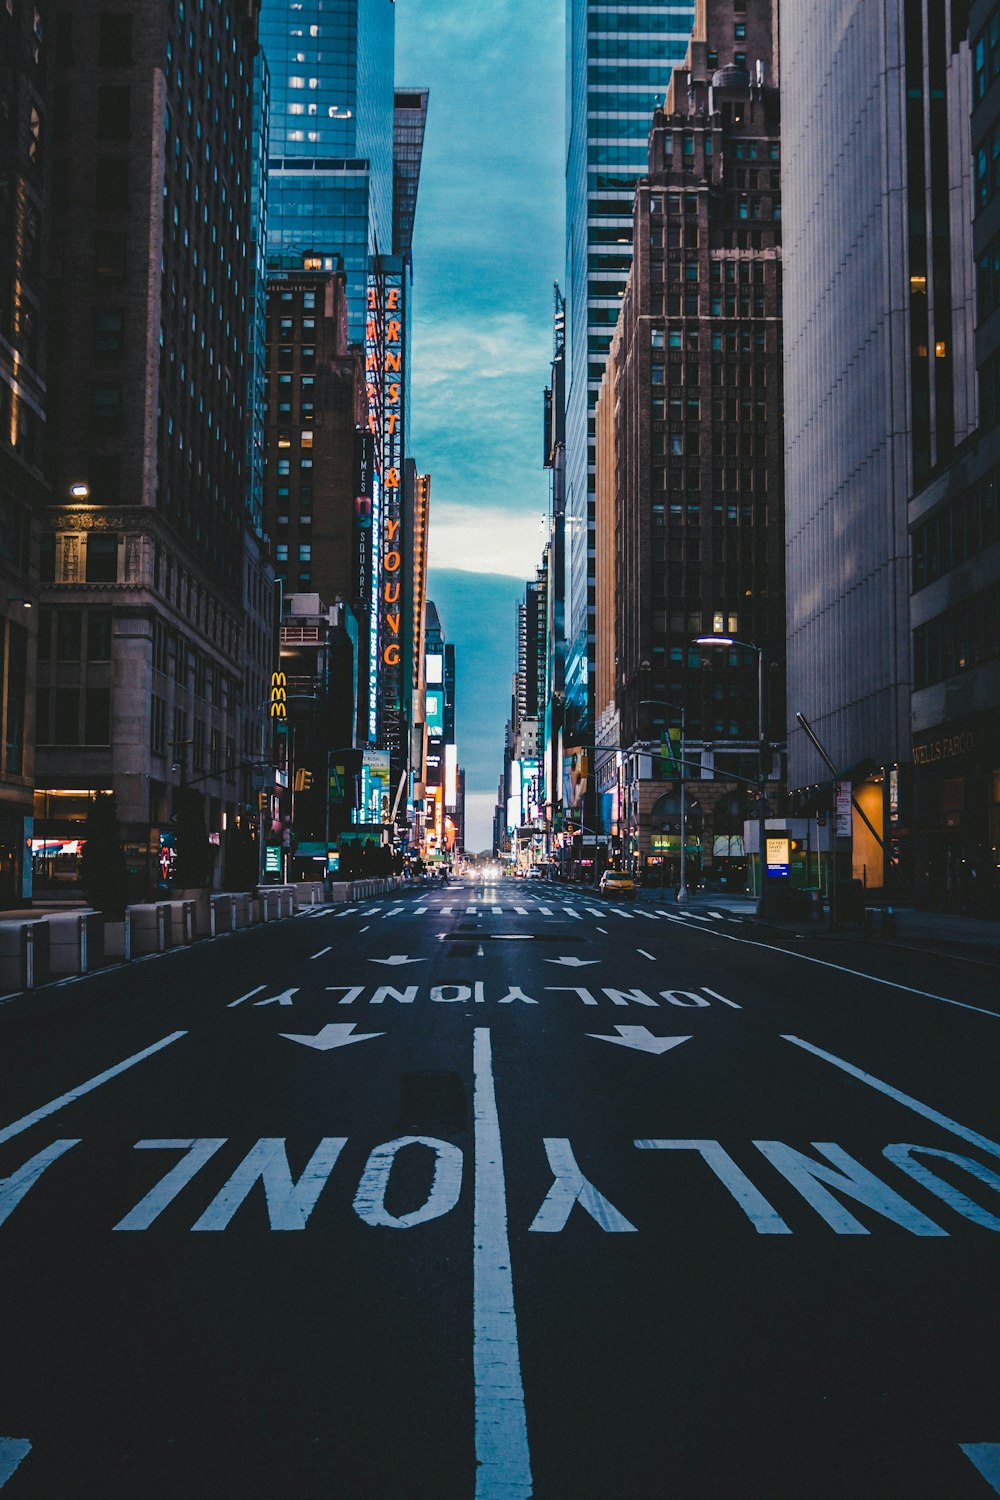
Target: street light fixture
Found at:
730, 640
682, 892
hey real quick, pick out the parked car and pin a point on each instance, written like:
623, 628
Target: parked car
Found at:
616, 883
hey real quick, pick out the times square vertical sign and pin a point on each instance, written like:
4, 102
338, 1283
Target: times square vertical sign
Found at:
385, 386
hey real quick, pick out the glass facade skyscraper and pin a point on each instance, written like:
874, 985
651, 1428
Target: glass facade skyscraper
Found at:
619, 62
331, 139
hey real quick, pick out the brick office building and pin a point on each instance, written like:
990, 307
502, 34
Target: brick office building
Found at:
697, 446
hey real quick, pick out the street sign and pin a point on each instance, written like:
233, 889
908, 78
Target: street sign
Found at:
272, 860
845, 817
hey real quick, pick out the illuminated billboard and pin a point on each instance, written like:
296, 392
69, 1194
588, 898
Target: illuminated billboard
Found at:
451, 777
434, 669
434, 712
575, 771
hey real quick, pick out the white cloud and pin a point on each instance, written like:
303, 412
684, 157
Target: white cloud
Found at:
486, 539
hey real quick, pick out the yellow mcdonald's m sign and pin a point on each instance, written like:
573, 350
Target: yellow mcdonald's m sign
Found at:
279, 695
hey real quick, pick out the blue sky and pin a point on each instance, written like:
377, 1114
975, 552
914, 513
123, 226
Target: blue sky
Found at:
488, 245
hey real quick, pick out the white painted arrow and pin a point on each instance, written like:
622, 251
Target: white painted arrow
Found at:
574, 963
641, 1038
332, 1035
396, 959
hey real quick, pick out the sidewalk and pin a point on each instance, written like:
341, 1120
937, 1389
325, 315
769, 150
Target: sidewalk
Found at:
50, 907
945, 931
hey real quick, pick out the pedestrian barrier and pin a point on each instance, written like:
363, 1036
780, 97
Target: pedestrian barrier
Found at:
76, 942
222, 914
24, 954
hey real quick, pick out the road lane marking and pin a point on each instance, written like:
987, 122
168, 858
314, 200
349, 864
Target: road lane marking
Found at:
646, 955
9, 1131
648, 915
962, 1131
20, 1183
247, 996
363, 929
824, 963
320, 953
604, 930
985, 1456
503, 1469
641, 1039
12, 1450
570, 1187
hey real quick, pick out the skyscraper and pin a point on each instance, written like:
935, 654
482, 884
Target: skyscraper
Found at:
690, 460
620, 58
879, 389
331, 140
148, 552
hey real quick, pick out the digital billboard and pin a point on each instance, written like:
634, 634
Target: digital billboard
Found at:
575, 772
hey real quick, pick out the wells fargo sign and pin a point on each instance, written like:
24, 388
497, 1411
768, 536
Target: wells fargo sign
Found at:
946, 748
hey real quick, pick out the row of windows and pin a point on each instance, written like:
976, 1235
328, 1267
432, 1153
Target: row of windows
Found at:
988, 168
69, 716
74, 634
965, 526
987, 280
986, 54
958, 640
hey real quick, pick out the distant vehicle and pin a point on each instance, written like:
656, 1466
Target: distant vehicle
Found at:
616, 883
535, 873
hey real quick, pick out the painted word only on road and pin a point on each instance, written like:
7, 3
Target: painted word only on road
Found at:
478, 992
827, 1178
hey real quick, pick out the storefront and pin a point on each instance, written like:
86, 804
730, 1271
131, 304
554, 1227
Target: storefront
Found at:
956, 817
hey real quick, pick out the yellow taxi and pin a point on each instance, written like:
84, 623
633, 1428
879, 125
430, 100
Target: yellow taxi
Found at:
617, 883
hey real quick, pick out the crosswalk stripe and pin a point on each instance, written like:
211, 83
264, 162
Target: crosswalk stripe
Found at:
648, 915
573, 913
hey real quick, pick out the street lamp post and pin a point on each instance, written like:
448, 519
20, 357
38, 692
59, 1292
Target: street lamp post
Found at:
682, 893
728, 640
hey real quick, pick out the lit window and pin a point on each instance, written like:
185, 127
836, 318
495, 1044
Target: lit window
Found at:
281, 552
307, 439
305, 552
296, 83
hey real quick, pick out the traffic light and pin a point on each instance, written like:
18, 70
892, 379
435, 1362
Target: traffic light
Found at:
279, 695
303, 781
263, 801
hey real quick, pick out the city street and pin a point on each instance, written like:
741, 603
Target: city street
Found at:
504, 1190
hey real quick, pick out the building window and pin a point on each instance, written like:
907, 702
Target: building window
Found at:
108, 328
281, 552
97, 717
305, 552
66, 721
109, 255
102, 558
68, 635
158, 725
106, 408
17, 684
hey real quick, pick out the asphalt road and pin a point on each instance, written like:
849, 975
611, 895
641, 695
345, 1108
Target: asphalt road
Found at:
503, 1191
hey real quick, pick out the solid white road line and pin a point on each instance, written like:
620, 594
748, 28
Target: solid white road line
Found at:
645, 954
363, 929
9, 1131
320, 953
256, 991
12, 1450
962, 1131
986, 1457
891, 984
503, 1469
